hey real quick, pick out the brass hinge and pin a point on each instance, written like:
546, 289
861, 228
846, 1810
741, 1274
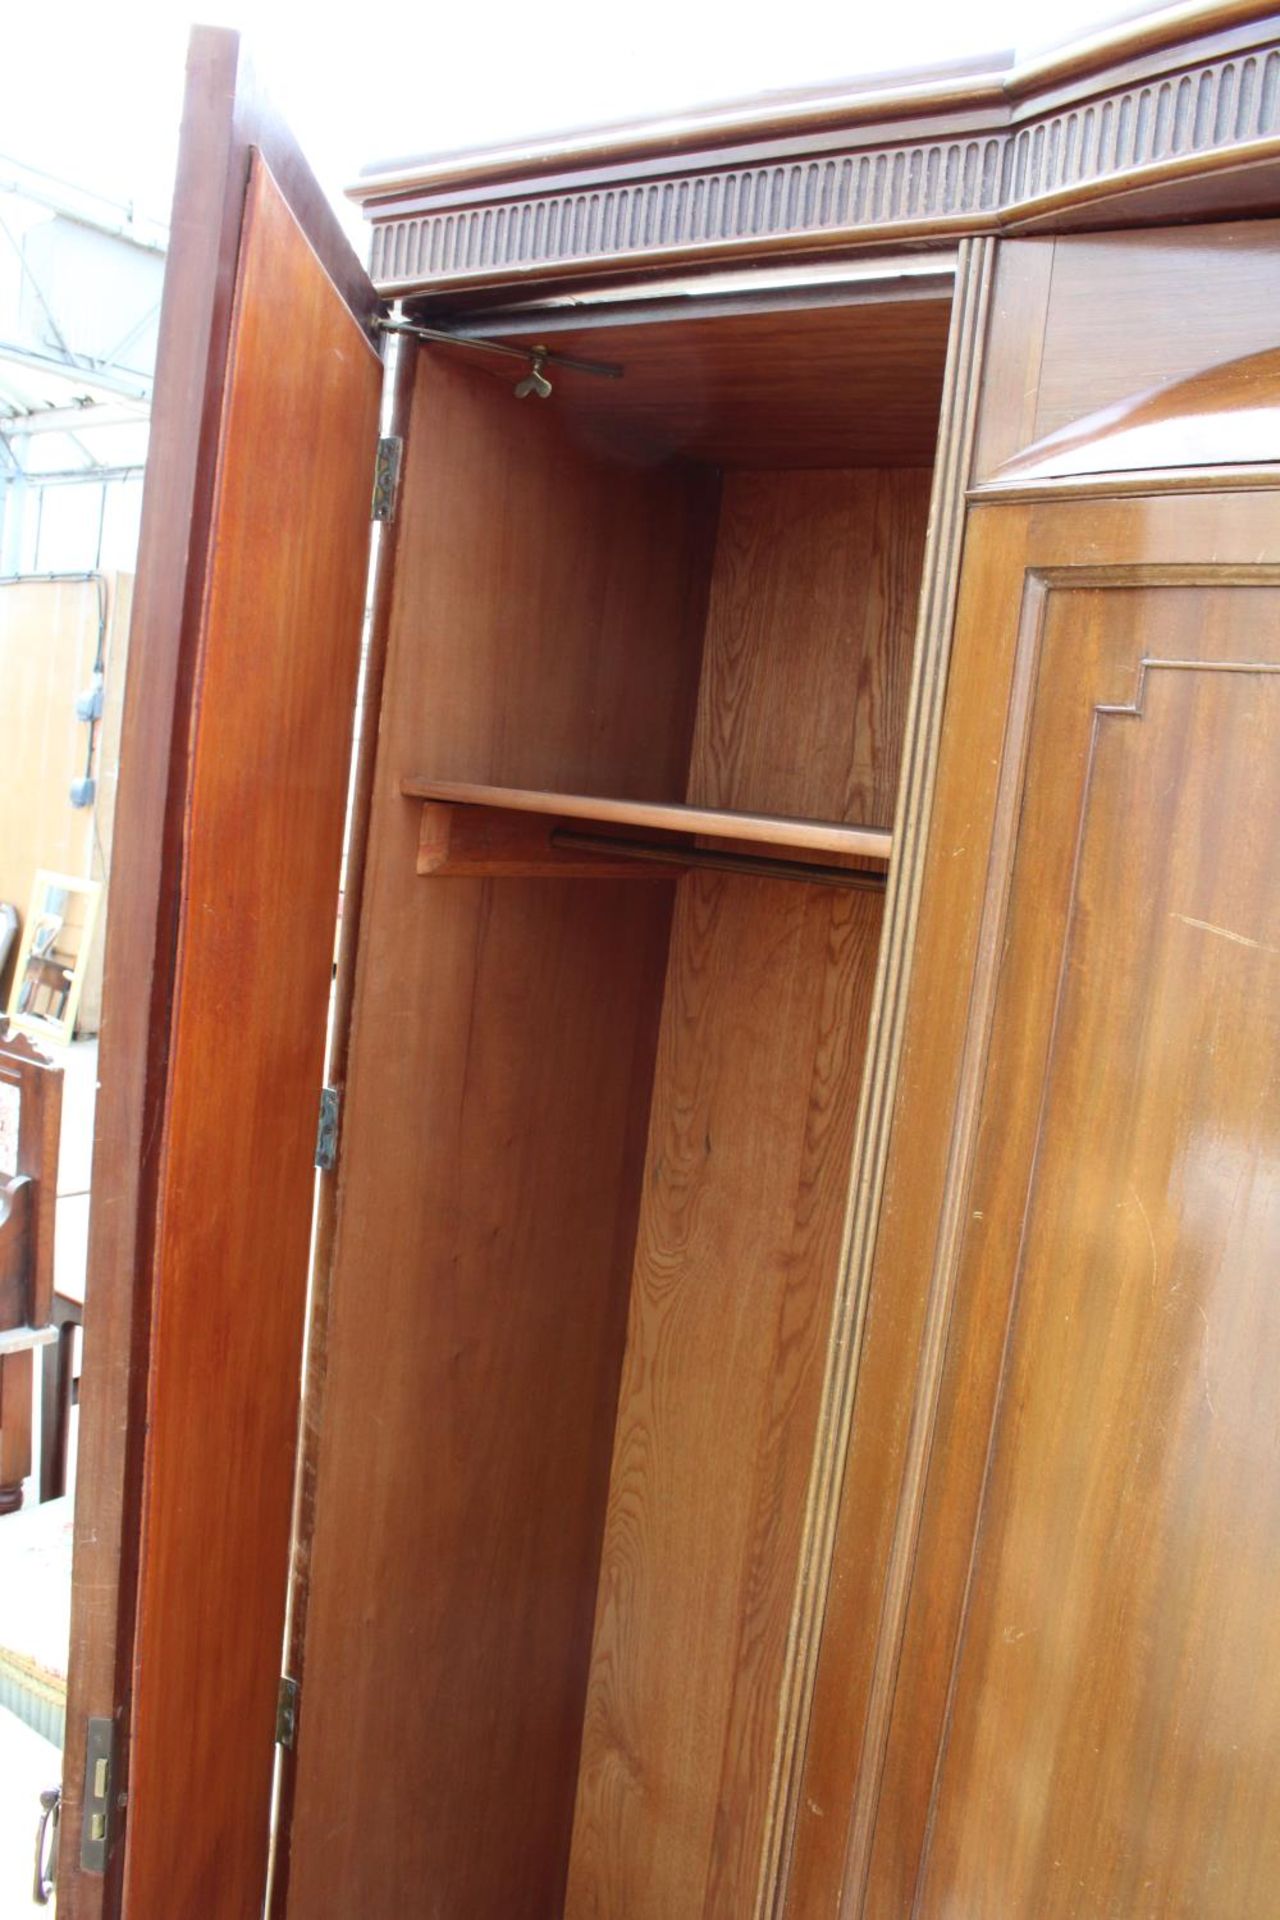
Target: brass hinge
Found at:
327, 1129
287, 1711
386, 477
99, 1765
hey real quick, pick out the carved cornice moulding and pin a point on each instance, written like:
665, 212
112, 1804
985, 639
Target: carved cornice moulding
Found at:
1160, 106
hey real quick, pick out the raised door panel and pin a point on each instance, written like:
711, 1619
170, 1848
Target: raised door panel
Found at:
1071, 1706
1115, 1695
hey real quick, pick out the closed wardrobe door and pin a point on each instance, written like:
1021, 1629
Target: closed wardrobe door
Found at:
1073, 1693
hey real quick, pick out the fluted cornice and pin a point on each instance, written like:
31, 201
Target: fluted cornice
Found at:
1175, 114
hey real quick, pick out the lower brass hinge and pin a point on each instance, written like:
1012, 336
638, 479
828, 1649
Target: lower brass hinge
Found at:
287, 1711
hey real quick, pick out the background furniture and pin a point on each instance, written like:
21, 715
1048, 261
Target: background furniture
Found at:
31, 1097
54, 953
59, 1394
8, 943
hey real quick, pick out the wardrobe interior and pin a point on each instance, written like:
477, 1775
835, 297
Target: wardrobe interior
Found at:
605, 1067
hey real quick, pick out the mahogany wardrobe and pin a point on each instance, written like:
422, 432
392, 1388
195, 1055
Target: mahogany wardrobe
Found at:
726, 1360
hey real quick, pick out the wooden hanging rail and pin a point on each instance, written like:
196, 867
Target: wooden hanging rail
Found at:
762, 829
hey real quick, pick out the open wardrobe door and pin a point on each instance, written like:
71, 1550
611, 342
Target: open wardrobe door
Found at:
234, 769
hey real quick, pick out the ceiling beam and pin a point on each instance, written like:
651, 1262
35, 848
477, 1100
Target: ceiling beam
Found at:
75, 419
82, 373
77, 476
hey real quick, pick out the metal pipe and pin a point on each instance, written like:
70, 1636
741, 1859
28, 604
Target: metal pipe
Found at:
602, 369
860, 879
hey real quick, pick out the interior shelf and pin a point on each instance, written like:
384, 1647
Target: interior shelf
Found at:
761, 829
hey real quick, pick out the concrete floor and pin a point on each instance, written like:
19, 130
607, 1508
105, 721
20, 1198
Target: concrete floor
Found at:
28, 1763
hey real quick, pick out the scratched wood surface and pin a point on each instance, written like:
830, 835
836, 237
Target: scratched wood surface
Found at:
759, 1063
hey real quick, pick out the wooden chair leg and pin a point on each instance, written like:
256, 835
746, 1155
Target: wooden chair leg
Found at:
57, 1395
16, 1374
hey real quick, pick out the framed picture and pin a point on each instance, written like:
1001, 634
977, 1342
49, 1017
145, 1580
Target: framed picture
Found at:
51, 959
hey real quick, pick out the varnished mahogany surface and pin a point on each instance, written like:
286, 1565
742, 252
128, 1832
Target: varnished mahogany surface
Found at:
764, 1028
1059, 69
225, 117
1092, 322
546, 631
1227, 415
1060, 1511
1121, 1625
254, 968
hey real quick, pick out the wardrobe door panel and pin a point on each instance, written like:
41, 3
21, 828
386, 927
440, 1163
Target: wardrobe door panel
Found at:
245, 646
1115, 1686
1073, 1706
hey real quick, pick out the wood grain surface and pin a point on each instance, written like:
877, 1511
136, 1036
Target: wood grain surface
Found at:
546, 631
813, 605
767, 830
1163, 119
485, 843
397, 397
764, 1024
280, 647
807, 657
